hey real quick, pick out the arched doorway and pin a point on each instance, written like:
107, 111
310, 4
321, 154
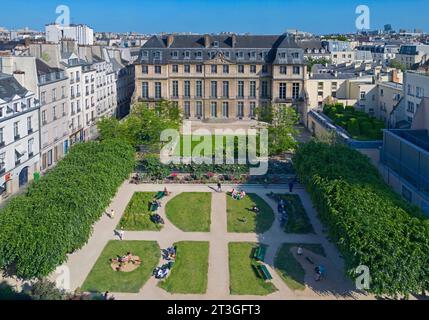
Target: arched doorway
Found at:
23, 177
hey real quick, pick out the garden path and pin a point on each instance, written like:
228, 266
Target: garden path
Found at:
80, 263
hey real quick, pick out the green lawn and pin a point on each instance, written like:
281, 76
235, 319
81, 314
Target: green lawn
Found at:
210, 142
190, 211
298, 221
242, 220
243, 278
137, 215
289, 269
103, 278
189, 272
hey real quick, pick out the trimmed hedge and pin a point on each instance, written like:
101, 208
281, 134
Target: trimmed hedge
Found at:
370, 223
55, 217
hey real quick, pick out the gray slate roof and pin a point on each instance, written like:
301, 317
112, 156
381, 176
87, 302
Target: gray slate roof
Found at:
9, 87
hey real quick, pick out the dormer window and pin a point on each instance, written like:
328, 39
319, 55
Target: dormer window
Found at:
187, 54
157, 54
282, 55
240, 54
216, 44
145, 54
253, 55
295, 55
175, 54
227, 54
199, 55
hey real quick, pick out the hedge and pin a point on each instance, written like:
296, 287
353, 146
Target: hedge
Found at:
55, 216
370, 223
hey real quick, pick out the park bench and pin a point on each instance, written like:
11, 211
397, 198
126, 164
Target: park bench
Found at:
260, 253
262, 272
160, 195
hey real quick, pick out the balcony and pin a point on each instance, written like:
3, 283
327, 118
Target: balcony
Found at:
2, 144
30, 155
78, 95
17, 162
17, 137
72, 96
30, 131
72, 81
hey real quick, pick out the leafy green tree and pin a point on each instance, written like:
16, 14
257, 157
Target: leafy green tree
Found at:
281, 121
397, 65
311, 62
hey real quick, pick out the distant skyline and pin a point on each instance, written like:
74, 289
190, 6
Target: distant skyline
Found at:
207, 16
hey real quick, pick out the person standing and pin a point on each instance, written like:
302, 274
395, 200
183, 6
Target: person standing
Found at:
219, 187
112, 214
121, 233
291, 186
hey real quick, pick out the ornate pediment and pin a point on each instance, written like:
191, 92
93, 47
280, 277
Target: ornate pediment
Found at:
219, 58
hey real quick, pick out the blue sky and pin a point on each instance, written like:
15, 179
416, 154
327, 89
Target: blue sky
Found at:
254, 16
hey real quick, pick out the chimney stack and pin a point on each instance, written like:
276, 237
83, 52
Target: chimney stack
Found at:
207, 40
20, 77
170, 40
234, 40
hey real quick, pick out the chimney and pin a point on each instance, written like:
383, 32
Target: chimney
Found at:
207, 41
170, 40
234, 40
20, 77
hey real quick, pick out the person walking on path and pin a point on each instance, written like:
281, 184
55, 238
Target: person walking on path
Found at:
112, 214
291, 186
219, 187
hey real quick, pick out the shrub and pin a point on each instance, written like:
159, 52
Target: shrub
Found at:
370, 224
366, 128
353, 127
55, 216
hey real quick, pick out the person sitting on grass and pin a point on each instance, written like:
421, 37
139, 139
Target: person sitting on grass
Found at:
255, 209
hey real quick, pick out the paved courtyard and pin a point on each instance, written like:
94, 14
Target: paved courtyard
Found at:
338, 287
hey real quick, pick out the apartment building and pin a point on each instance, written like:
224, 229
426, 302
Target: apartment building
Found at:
409, 55
81, 33
19, 136
416, 86
220, 77
53, 93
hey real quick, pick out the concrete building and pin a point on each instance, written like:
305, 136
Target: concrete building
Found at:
19, 136
80, 33
221, 77
382, 54
409, 55
341, 51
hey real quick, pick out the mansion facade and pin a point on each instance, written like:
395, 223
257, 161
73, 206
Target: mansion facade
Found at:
223, 77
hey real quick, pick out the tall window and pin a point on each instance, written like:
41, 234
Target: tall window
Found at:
187, 108
252, 89
145, 90
158, 93
296, 70
283, 70
199, 109
225, 68
282, 90
252, 112
29, 125
252, 68
199, 68
225, 109
30, 146
187, 68
240, 109
187, 89
240, 91
214, 68
199, 88
1, 135
16, 130
213, 92
175, 89
264, 89
241, 68
295, 90
213, 109
158, 69
145, 69
175, 68
225, 89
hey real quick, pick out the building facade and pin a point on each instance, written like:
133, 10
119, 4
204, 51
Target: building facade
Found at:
19, 136
220, 77
81, 33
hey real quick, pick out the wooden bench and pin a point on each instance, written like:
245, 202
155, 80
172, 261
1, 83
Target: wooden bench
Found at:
260, 254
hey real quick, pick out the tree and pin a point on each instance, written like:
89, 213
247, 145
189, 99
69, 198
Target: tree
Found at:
144, 125
281, 121
311, 62
397, 65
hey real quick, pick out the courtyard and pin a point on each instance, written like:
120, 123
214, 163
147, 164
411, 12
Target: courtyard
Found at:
216, 238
